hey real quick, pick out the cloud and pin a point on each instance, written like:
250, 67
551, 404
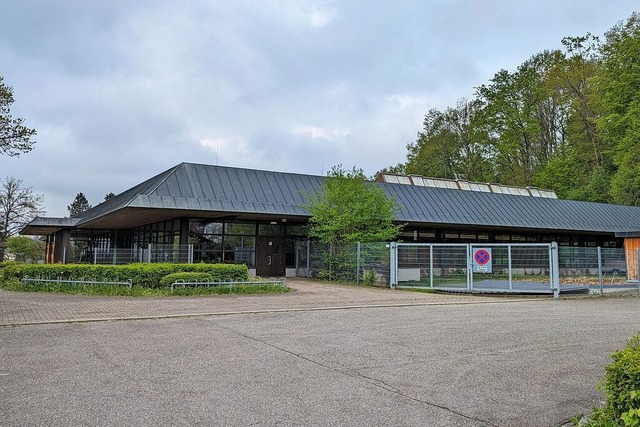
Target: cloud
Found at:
319, 18
120, 91
317, 132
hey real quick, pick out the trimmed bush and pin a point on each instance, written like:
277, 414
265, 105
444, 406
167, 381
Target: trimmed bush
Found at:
145, 275
621, 387
186, 276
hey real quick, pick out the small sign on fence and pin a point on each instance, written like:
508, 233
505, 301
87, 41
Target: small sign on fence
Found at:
482, 260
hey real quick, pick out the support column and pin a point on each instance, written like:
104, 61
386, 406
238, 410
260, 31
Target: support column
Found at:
62, 246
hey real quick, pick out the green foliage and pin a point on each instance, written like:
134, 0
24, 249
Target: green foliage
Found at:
25, 248
351, 209
619, 100
15, 138
339, 262
451, 145
189, 276
625, 186
143, 275
79, 205
565, 120
139, 291
369, 277
621, 387
18, 206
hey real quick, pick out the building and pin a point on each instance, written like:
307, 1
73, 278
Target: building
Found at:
256, 217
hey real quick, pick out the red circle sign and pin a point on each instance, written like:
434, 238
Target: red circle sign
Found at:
482, 256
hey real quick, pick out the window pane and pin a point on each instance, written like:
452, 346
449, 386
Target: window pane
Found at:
239, 243
240, 257
270, 230
298, 230
203, 227
246, 229
206, 242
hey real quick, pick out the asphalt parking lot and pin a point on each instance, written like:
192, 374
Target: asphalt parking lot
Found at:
427, 360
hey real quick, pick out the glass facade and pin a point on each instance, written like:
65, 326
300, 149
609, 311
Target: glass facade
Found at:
234, 241
230, 241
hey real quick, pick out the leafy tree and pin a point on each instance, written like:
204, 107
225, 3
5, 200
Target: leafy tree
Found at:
351, 209
399, 168
617, 85
571, 81
434, 153
523, 118
451, 145
25, 248
15, 138
109, 196
18, 206
79, 205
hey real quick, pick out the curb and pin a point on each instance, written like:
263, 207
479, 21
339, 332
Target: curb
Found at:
265, 311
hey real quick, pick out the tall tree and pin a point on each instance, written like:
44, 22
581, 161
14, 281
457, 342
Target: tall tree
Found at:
618, 89
18, 206
434, 153
351, 209
15, 138
79, 205
523, 119
451, 145
109, 196
581, 167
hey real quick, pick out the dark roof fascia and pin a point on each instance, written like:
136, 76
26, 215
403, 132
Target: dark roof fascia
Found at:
628, 234
49, 224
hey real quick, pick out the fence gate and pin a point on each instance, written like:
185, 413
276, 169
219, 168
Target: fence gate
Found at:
476, 267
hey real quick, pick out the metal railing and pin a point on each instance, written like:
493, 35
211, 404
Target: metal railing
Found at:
78, 282
152, 253
351, 262
603, 270
478, 267
230, 284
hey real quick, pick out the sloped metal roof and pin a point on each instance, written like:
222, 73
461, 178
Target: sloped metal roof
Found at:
207, 188
45, 225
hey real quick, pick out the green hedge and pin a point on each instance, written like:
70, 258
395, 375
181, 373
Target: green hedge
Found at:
621, 387
145, 275
185, 276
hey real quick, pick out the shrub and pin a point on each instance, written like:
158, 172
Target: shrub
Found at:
369, 277
621, 387
185, 276
145, 275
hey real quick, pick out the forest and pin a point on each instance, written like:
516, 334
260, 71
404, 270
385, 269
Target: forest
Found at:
566, 120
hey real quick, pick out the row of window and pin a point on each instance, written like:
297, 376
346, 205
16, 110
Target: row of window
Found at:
458, 236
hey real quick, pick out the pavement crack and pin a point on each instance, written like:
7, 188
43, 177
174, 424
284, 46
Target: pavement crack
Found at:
397, 391
355, 374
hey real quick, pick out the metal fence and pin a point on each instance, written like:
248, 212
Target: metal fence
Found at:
153, 253
524, 268
516, 268
353, 262
601, 269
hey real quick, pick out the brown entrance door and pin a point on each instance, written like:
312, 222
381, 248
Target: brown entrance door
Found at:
270, 256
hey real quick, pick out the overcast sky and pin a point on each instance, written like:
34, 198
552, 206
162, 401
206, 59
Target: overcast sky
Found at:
122, 90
